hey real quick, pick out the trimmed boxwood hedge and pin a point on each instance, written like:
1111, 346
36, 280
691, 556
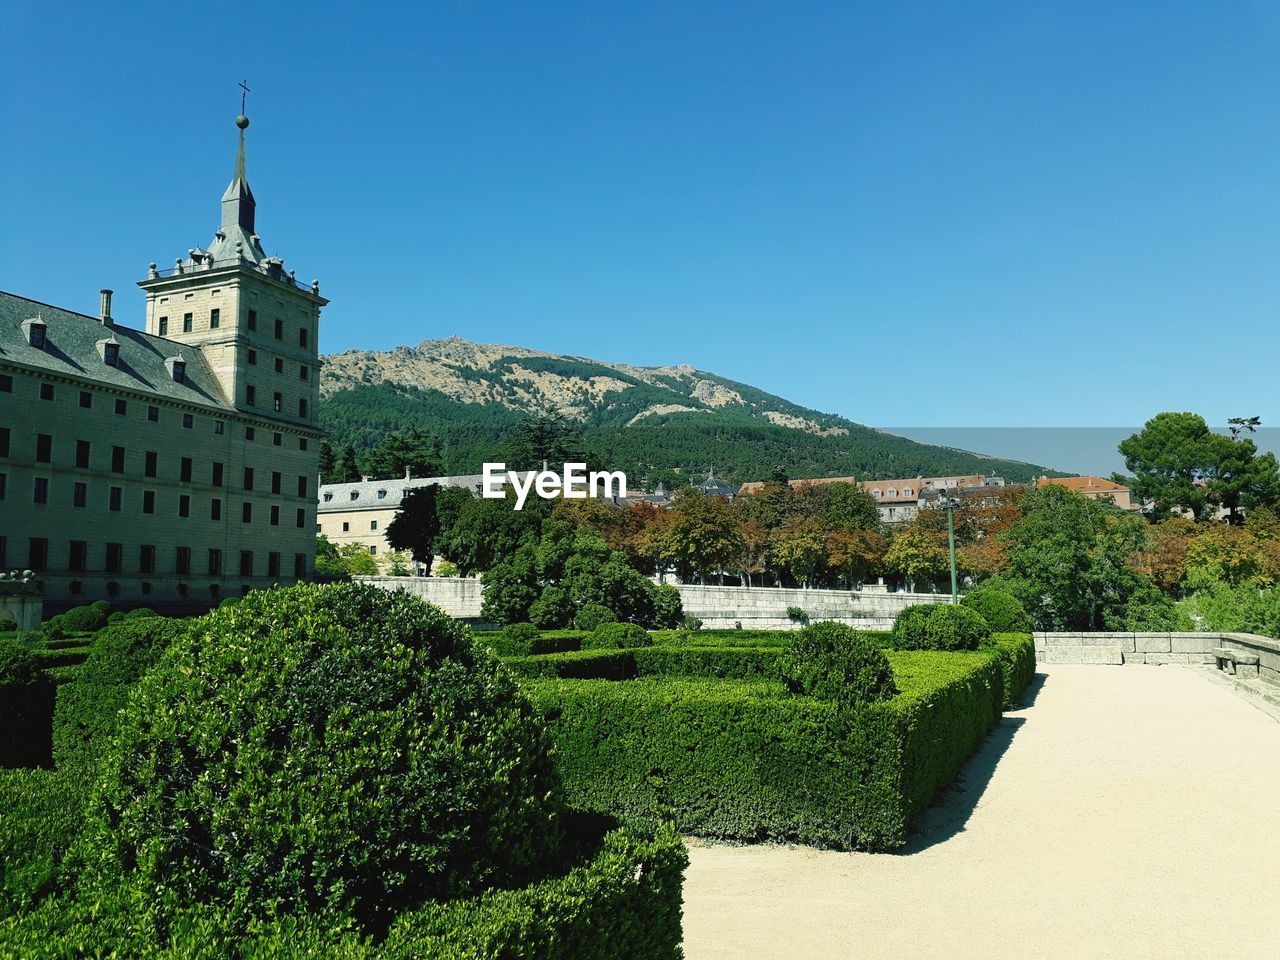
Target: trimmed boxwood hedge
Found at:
42, 811
621, 899
747, 663
1016, 655
747, 761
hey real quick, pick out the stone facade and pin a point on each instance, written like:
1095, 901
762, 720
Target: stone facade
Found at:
139, 466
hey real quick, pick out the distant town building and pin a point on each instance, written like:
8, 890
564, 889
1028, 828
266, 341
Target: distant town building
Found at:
1095, 488
176, 465
714, 486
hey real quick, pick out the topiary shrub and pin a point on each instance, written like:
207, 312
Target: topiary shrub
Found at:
668, 608
909, 629
141, 613
322, 750
26, 704
85, 619
7, 623
592, 615
617, 636
552, 610
832, 661
1003, 611
940, 627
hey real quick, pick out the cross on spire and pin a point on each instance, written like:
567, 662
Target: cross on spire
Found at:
244, 91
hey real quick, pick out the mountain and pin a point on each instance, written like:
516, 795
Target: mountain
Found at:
657, 423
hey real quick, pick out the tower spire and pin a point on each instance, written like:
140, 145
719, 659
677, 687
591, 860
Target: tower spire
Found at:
237, 203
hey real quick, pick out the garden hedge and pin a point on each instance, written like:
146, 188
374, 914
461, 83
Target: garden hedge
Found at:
26, 705
42, 811
747, 761
621, 899
747, 663
1016, 655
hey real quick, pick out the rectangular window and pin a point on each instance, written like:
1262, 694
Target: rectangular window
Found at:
149, 467
184, 470
302, 443
275, 482
277, 402
80, 495
299, 565
246, 513
122, 407
46, 391
246, 563
37, 553
147, 558
184, 505
115, 557
153, 414
253, 358
44, 448
40, 494
249, 433
117, 459
4, 441
302, 409
215, 509
302, 372
373, 524
217, 474
279, 365
302, 517
215, 318
215, 563
148, 501
250, 394
277, 440
164, 326
82, 454
346, 526
275, 516
302, 337
373, 551
279, 329
219, 427
6, 383
182, 564
253, 319
273, 564
115, 498
188, 421
4, 488
302, 486
4, 552
86, 399
248, 478
77, 556
186, 323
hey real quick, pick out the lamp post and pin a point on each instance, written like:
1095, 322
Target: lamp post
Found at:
951, 504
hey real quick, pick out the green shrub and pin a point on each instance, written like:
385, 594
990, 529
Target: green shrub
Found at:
834, 662
747, 761
140, 613
322, 748
690, 623
668, 608
620, 899
592, 615
747, 663
797, 615
518, 636
1003, 611
86, 709
617, 636
115, 616
26, 705
939, 626
1016, 655
553, 609
228, 602
724, 638
85, 619
43, 813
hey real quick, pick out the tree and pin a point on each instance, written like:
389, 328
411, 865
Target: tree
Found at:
1163, 559
415, 526
916, 555
549, 438
409, 451
1238, 476
801, 549
701, 535
327, 462
1070, 559
855, 553
346, 470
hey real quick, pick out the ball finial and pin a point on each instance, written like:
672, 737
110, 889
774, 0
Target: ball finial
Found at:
242, 121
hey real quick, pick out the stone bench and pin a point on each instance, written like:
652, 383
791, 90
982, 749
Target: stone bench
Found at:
1236, 662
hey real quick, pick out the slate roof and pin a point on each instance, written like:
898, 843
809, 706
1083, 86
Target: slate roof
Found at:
71, 350
373, 494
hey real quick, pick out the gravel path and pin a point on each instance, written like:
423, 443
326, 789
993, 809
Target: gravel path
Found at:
1131, 812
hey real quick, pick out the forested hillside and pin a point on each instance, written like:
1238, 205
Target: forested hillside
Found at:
656, 423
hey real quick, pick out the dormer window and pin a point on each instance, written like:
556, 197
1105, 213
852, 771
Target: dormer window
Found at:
35, 330
382, 494
177, 368
109, 351
328, 497
355, 494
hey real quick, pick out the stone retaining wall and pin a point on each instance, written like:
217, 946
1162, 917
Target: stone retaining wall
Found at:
1158, 648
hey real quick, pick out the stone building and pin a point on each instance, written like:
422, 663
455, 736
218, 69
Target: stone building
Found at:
176, 465
1094, 488
898, 501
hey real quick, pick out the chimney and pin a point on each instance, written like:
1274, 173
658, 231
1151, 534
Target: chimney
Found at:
104, 310
407, 474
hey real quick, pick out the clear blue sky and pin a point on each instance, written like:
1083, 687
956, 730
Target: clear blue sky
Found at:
942, 214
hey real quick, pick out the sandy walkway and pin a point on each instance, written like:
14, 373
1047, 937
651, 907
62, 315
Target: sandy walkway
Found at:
1132, 812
